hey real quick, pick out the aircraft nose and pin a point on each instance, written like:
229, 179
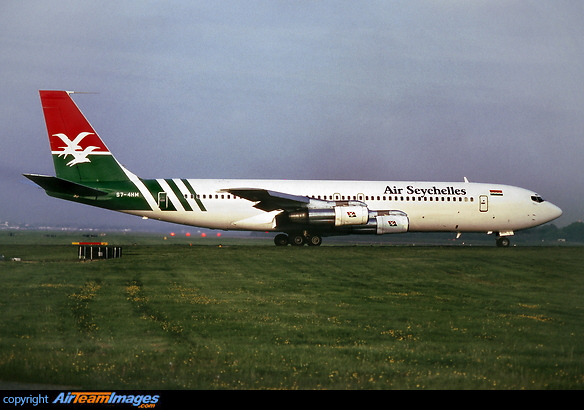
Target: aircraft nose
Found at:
553, 212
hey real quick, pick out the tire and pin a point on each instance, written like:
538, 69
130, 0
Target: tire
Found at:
503, 242
281, 240
315, 240
296, 240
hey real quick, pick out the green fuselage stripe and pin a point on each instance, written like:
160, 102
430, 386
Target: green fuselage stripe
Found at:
192, 191
154, 187
179, 194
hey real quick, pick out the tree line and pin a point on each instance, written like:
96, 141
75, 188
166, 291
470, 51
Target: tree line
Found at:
550, 232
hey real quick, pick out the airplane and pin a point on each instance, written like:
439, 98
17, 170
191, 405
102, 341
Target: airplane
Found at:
300, 212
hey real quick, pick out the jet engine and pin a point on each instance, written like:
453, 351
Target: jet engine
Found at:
388, 222
336, 216
353, 216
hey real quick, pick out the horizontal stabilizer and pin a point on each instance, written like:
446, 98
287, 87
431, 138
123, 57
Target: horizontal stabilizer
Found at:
62, 186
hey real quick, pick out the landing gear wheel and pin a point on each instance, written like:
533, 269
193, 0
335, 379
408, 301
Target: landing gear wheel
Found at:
503, 242
296, 240
314, 240
281, 240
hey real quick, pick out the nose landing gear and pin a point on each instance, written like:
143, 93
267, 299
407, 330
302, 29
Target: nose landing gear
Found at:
503, 242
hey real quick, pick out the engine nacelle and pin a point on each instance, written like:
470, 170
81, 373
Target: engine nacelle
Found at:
335, 216
384, 222
395, 222
351, 215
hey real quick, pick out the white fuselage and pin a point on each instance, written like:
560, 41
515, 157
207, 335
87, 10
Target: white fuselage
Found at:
430, 206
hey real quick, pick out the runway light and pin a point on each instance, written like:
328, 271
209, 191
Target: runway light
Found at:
218, 234
203, 235
188, 234
172, 234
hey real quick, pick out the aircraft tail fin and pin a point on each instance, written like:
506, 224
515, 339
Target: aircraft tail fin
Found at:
79, 154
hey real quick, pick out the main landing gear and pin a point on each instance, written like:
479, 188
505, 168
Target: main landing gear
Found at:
297, 240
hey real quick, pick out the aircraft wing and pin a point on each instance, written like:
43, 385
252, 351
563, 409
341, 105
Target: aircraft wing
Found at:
270, 200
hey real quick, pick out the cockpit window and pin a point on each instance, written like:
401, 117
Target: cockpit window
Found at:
537, 198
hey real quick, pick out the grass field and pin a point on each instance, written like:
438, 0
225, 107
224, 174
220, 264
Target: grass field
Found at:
264, 317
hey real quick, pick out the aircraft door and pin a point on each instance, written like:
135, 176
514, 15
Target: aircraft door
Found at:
483, 203
162, 200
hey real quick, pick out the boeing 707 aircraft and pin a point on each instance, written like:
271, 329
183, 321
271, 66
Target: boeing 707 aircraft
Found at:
300, 212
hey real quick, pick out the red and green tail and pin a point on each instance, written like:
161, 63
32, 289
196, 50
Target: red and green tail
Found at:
86, 171
79, 154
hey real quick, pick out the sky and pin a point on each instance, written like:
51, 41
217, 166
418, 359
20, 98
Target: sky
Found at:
388, 90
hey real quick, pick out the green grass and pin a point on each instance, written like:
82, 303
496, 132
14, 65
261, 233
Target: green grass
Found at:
264, 317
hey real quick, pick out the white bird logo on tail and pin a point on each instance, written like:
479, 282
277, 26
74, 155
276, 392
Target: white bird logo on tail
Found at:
73, 148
